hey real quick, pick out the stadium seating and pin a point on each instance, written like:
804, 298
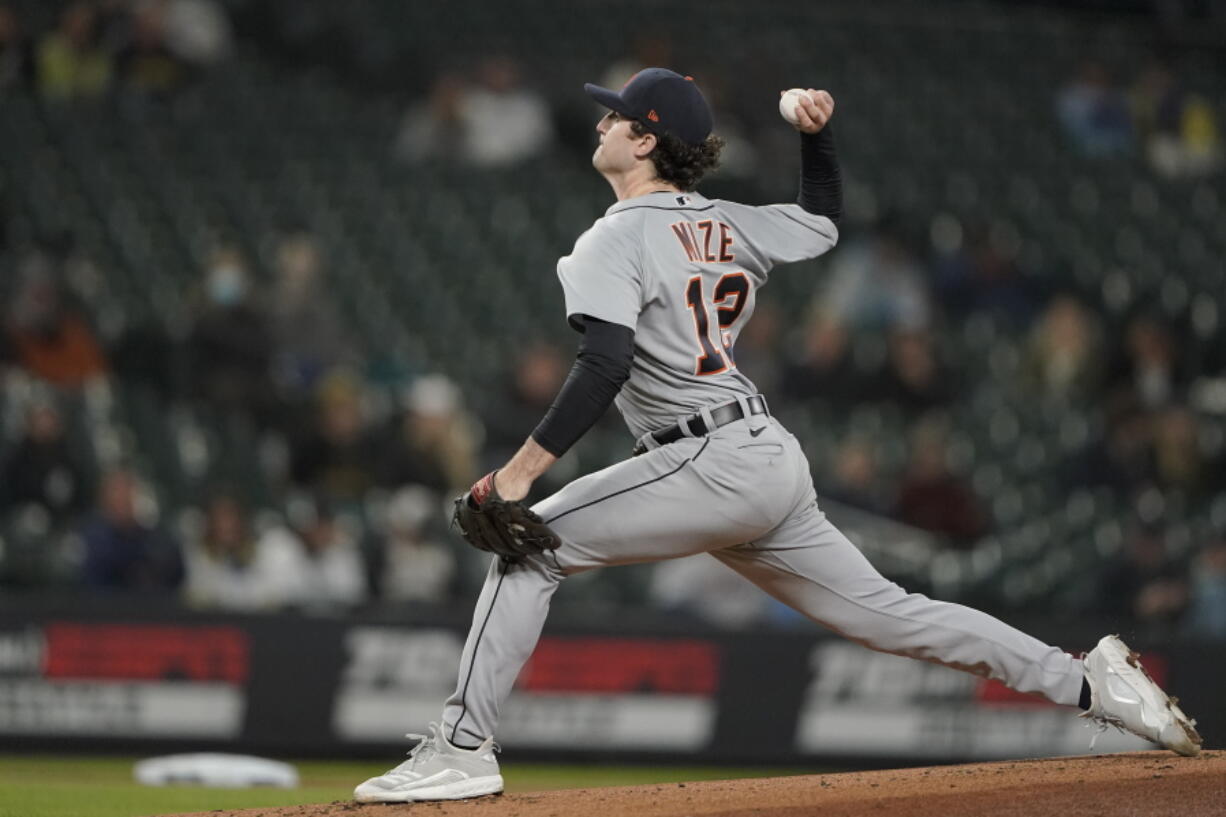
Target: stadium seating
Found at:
943, 109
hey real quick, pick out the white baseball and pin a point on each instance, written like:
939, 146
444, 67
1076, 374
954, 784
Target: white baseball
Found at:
788, 103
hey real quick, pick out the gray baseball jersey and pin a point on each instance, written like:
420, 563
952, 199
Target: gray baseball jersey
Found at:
682, 271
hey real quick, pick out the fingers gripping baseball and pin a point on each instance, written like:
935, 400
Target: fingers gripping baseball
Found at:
810, 111
508, 528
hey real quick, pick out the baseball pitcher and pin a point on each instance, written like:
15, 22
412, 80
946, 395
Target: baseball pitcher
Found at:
659, 288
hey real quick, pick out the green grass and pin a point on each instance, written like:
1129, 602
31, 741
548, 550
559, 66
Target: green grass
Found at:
58, 786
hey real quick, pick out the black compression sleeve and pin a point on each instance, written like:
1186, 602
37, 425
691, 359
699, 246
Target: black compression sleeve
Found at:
601, 367
821, 184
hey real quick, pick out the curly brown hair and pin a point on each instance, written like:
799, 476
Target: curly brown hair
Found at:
679, 163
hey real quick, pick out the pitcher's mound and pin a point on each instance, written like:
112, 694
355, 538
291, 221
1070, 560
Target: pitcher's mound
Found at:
1146, 784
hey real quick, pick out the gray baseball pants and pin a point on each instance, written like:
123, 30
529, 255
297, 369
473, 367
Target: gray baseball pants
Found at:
744, 494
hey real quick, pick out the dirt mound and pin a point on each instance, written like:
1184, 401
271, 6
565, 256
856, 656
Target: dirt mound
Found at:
1148, 784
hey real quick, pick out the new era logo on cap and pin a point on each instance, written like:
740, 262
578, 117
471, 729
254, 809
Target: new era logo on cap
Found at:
663, 100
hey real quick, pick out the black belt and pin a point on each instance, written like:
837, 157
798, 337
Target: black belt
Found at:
720, 416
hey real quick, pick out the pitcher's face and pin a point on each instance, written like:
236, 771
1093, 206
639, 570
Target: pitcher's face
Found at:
619, 146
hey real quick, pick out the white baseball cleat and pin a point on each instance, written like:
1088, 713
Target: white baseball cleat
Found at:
1124, 696
436, 770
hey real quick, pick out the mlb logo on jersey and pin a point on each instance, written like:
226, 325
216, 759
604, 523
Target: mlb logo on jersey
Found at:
682, 201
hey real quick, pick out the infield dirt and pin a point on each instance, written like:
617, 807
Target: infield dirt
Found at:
1148, 784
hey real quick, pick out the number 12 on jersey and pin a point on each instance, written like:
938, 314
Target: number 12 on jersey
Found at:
731, 292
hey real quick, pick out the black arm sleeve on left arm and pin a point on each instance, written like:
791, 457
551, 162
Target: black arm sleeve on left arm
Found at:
821, 183
601, 367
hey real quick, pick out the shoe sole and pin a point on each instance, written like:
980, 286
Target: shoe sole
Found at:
1120, 652
473, 787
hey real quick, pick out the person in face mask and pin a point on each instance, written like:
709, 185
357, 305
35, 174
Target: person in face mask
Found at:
229, 348
309, 333
227, 280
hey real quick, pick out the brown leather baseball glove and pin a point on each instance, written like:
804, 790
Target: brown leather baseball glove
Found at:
505, 527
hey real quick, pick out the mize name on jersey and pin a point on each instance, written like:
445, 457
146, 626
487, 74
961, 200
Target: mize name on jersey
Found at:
703, 252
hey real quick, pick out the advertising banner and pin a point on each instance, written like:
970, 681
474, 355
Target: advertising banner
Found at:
76, 678
619, 693
150, 680
866, 704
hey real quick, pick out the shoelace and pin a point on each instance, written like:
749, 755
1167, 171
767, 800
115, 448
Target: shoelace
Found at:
1103, 723
425, 749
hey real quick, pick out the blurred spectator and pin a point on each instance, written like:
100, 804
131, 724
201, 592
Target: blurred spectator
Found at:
1121, 460
1147, 372
319, 562
974, 270
43, 469
856, 479
311, 562
121, 551
505, 122
433, 130
71, 62
1206, 615
876, 284
198, 31
336, 458
494, 123
1064, 352
1143, 586
16, 54
1177, 459
230, 346
1094, 112
145, 62
416, 566
934, 499
1179, 127
911, 378
307, 330
539, 372
824, 368
228, 566
435, 446
47, 333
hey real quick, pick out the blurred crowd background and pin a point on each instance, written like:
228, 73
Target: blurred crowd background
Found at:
278, 283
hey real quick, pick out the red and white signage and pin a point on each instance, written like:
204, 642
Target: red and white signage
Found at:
866, 703
590, 691
138, 680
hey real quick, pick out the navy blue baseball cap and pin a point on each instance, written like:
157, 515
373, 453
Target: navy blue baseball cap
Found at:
663, 100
